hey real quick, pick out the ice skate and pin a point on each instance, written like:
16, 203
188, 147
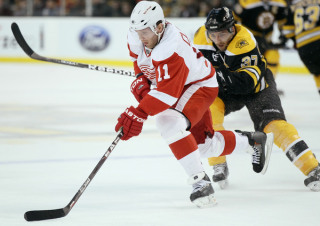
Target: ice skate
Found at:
221, 173
202, 194
261, 144
313, 179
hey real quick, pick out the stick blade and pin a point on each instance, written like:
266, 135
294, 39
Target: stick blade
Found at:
38, 215
21, 41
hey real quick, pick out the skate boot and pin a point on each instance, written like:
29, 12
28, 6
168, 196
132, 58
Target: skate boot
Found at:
202, 194
261, 144
220, 175
313, 179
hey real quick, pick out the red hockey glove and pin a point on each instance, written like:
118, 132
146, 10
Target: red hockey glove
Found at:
132, 121
140, 87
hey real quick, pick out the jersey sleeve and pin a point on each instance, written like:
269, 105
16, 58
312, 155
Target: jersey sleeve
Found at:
251, 72
171, 76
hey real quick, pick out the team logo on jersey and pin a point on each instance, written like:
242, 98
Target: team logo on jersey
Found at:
241, 43
265, 20
149, 72
215, 56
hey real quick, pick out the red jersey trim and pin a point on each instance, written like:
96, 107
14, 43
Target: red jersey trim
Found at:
184, 147
132, 54
229, 140
152, 106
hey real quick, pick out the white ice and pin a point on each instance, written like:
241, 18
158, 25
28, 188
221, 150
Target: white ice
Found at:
56, 122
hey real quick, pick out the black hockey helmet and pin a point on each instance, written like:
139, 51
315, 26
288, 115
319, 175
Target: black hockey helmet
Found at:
219, 19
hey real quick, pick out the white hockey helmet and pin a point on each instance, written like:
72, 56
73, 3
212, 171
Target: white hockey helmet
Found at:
146, 14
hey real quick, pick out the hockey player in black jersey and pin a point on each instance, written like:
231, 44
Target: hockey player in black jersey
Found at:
245, 81
259, 16
303, 25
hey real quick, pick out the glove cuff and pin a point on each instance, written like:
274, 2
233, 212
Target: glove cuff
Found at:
139, 112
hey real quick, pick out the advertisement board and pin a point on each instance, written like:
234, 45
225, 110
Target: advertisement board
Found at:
95, 40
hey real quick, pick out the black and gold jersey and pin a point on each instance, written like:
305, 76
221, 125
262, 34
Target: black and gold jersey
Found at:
242, 56
303, 22
259, 16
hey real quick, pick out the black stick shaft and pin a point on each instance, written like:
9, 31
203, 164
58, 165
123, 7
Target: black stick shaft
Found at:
37, 215
27, 49
94, 171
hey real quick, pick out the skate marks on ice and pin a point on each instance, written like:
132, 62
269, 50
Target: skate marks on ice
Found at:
56, 122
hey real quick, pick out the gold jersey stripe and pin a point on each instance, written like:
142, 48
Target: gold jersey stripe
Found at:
252, 75
248, 4
308, 36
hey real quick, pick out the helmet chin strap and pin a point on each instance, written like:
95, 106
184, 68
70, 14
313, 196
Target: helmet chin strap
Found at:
159, 35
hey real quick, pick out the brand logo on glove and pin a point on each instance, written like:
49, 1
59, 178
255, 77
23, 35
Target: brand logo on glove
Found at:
219, 73
135, 83
132, 115
141, 86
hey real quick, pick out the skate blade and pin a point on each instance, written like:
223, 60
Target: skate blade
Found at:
223, 184
205, 202
314, 186
269, 144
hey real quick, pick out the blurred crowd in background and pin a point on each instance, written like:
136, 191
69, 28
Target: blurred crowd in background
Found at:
105, 8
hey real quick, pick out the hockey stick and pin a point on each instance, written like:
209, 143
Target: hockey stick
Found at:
37, 215
26, 48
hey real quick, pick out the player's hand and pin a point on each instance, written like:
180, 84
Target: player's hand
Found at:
140, 87
233, 82
132, 121
224, 77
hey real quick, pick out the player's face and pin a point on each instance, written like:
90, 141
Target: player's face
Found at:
221, 38
148, 37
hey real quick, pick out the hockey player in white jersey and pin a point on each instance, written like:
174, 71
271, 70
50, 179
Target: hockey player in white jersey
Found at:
177, 84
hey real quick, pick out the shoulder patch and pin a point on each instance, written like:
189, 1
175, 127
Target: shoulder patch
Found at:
242, 43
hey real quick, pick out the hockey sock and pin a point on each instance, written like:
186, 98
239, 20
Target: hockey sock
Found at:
217, 160
186, 152
217, 112
286, 137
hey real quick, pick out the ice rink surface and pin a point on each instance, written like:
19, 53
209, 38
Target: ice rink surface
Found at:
57, 122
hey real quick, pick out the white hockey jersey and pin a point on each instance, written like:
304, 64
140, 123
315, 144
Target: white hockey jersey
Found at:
171, 65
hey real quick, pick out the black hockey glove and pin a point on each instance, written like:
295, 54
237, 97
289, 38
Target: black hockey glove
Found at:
233, 82
225, 79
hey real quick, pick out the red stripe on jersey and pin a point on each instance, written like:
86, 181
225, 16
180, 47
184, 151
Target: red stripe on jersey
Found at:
136, 68
132, 54
152, 105
199, 54
229, 140
183, 147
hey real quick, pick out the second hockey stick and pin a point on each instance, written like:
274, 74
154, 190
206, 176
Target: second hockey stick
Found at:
38, 215
27, 49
